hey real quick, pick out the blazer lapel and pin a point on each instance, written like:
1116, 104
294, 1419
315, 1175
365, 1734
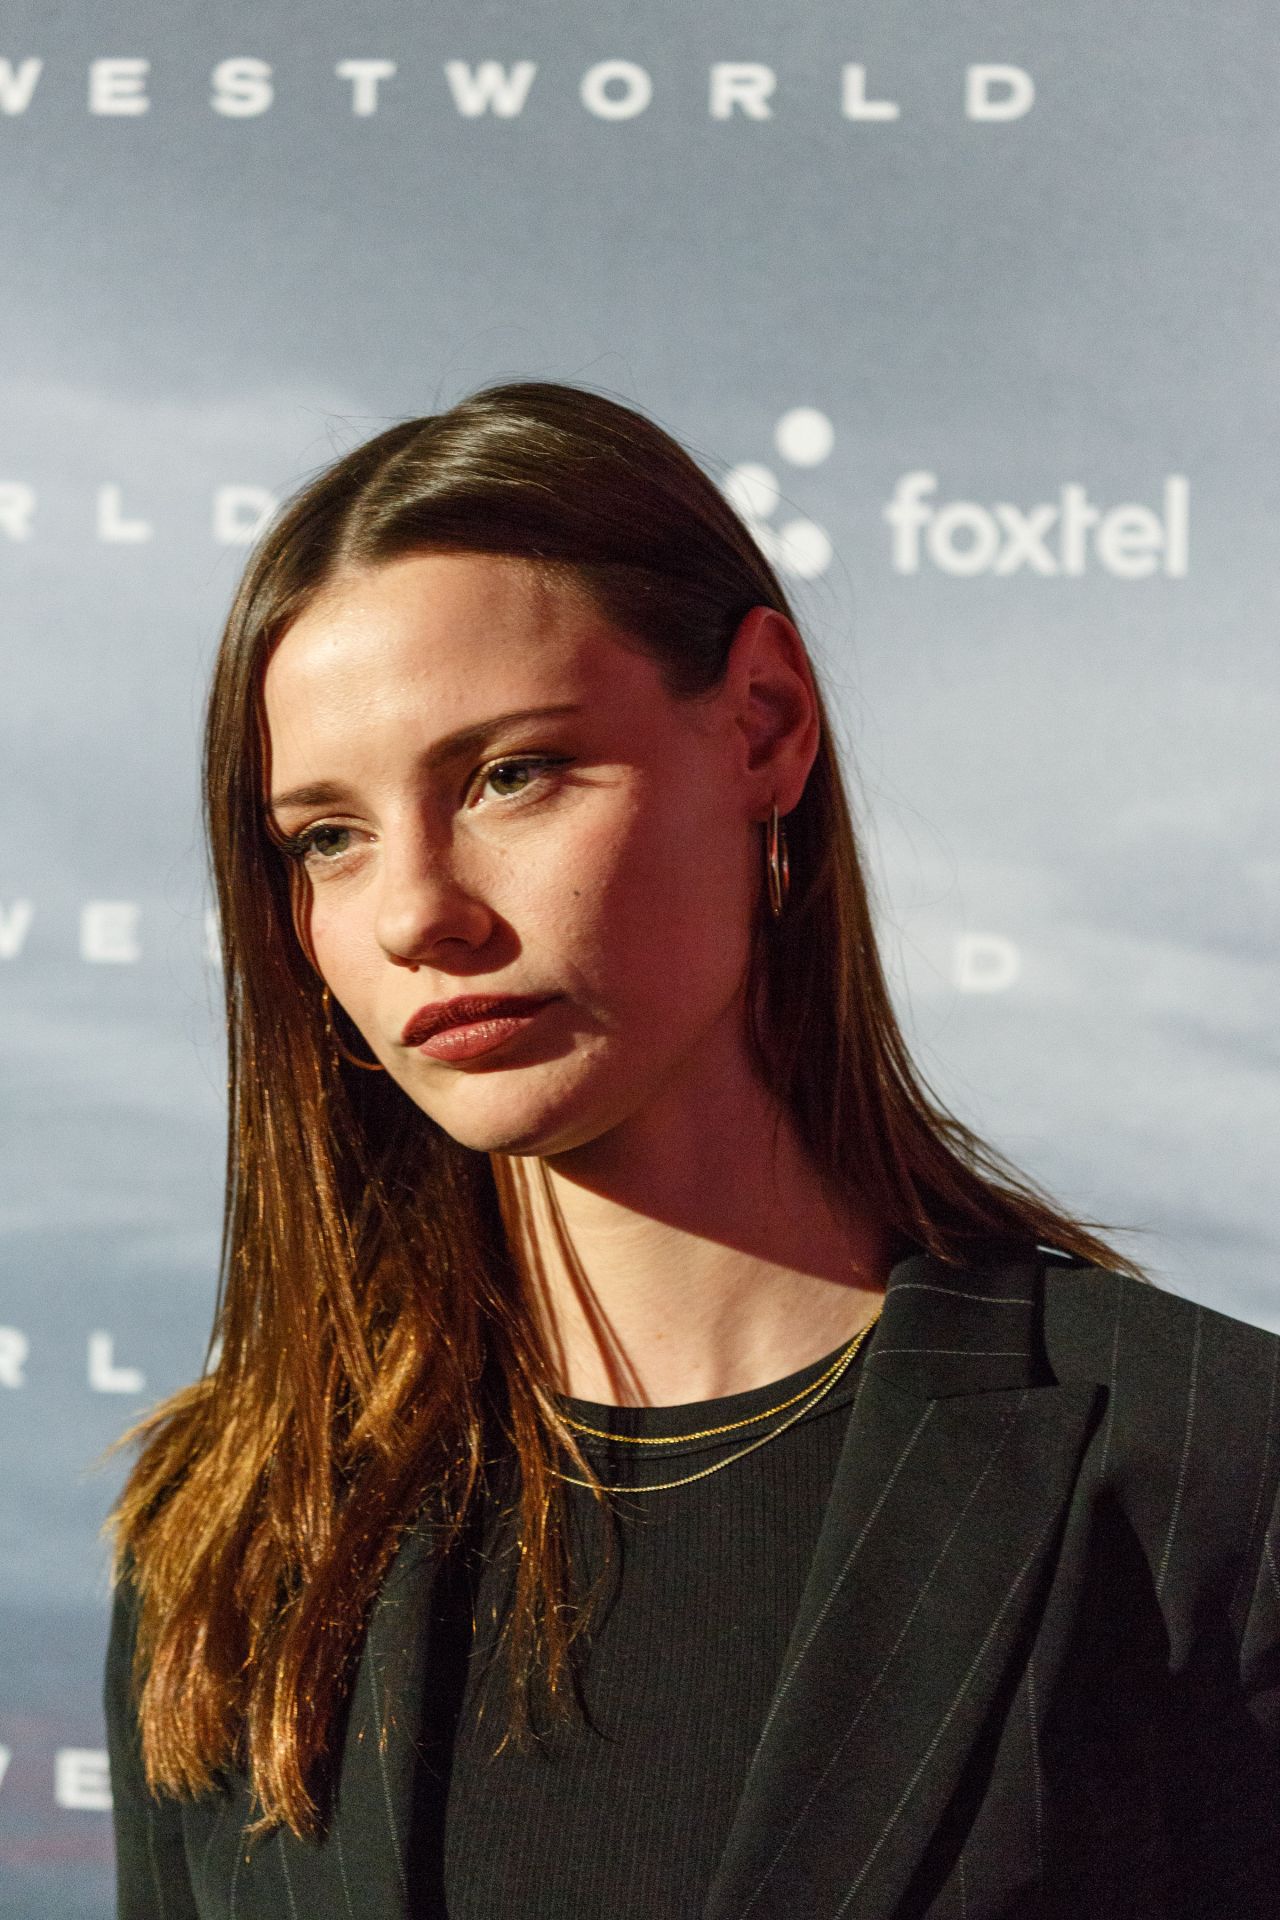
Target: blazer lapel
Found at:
944, 1516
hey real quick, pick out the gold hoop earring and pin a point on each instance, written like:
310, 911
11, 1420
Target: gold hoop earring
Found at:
777, 866
368, 1066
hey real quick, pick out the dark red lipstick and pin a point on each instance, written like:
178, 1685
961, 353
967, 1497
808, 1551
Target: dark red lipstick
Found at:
471, 1024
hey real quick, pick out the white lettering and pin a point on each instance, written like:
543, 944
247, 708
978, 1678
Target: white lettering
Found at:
1026, 533
997, 93
966, 538
15, 924
17, 84
15, 1349
1177, 517
982, 538
906, 514
17, 509
240, 513
118, 86
986, 963
854, 104
109, 932
1077, 516
637, 90
112, 524
242, 88
744, 84
364, 76
82, 1778
490, 85
104, 1375
1128, 539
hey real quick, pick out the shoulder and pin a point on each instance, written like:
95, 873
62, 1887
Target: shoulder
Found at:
1188, 1432
121, 1644
1130, 1334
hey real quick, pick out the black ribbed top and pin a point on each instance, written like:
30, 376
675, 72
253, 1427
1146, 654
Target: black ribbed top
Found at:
625, 1813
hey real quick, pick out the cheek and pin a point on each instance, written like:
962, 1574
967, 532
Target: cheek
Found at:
658, 904
343, 950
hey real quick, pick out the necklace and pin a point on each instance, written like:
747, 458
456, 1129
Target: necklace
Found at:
811, 1395
710, 1433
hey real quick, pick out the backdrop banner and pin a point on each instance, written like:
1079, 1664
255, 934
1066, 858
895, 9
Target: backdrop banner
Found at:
969, 307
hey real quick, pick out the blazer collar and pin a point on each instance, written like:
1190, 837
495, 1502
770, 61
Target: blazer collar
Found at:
945, 1511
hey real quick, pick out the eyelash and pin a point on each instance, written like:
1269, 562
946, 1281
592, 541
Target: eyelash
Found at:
299, 845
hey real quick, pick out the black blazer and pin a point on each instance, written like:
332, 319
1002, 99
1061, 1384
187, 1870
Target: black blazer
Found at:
1035, 1671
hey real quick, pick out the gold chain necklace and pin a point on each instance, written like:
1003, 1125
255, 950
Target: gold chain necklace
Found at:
711, 1433
811, 1395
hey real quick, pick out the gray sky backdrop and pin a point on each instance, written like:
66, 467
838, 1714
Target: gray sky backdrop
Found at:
1075, 770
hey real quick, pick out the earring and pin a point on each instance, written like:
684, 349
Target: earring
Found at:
369, 1066
777, 867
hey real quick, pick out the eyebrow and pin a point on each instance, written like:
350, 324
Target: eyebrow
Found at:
328, 793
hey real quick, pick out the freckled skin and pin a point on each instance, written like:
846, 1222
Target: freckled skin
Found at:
625, 882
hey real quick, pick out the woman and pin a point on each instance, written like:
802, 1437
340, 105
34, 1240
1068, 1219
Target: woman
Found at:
658, 1462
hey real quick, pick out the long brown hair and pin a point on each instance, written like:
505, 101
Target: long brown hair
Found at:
375, 1343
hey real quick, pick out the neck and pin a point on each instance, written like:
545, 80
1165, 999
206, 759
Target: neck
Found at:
681, 1259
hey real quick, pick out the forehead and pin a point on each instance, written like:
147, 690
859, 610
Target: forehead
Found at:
393, 660
449, 623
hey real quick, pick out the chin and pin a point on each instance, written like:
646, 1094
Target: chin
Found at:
510, 1125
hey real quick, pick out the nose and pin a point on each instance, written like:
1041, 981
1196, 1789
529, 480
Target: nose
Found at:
423, 903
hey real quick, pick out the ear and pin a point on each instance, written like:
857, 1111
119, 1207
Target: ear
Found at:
773, 698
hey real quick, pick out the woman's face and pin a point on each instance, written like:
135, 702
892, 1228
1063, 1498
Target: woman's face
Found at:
492, 796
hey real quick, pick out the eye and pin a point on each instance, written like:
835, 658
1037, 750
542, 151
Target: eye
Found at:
515, 776
320, 845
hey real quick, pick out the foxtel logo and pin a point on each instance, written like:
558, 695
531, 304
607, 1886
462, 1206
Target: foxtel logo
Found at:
963, 537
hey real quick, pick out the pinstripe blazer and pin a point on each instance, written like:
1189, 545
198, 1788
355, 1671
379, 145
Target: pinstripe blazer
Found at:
1035, 1672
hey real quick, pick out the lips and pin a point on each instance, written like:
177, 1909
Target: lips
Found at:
464, 1011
